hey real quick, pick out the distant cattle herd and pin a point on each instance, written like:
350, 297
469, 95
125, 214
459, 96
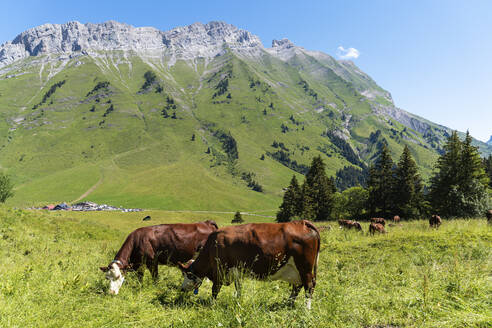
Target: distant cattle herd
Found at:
274, 251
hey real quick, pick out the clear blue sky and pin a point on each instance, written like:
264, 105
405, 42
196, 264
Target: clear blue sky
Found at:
433, 56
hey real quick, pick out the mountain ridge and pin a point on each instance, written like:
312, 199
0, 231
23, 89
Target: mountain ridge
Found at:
75, 37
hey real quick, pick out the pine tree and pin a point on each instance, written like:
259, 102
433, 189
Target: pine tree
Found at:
379, 184
407, 187
459, 186
307, 202
317, 192
292, 202
237, 218
446, 175
372, 187
487, 163
471, 164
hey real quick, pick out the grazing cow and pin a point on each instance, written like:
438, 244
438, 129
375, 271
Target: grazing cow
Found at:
396, 219
349, 224
153, 245
488, 214
324, 227
376, 227
276, 251
435, 221
379, 220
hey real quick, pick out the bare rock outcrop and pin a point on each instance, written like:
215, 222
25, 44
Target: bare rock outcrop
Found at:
193, 41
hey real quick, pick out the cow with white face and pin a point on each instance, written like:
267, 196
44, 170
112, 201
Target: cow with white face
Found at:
115, 277
154, 245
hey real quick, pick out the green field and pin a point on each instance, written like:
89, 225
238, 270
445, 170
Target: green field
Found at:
413, 276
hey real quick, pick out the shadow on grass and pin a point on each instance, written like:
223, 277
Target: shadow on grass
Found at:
278, 306
182, 300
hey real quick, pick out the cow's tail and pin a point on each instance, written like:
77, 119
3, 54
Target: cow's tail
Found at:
315, 267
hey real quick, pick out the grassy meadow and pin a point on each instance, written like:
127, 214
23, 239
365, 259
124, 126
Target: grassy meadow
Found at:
413, 276
137, 157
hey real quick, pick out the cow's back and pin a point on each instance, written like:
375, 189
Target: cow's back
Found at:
172, 243
261, 248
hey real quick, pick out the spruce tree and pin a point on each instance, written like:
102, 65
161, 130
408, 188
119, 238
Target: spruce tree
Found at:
296, 188
379, 184
292, 203
446, 175
487, 163
407, 187
237, 218
471, 164
372, 187
459, 186
317, 192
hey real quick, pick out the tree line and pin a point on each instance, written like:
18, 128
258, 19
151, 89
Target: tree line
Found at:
459, 187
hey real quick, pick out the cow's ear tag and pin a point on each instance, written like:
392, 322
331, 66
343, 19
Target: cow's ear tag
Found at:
195, 291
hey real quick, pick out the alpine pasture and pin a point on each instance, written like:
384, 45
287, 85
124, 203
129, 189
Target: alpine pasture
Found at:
413, 276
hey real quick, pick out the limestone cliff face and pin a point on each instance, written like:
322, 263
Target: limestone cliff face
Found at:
196, 40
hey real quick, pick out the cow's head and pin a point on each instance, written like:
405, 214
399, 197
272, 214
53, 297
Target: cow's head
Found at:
190, 279
114, 274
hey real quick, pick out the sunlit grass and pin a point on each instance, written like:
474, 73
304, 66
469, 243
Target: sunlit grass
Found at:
413, 276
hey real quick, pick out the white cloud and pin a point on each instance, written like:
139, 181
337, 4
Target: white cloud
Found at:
350, 53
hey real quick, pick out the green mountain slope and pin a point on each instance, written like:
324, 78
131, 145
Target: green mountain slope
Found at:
194, 133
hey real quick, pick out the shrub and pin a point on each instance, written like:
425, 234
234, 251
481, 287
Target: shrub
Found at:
237, 218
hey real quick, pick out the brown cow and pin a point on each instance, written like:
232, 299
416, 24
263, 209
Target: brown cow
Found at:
396, 219
379, 220
435, 221
373, 227
324, 227
159, 244
349, 224
276, 251
488, 214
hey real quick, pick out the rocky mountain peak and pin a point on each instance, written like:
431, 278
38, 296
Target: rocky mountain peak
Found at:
490, 141
196, 40
284, 49
284, 43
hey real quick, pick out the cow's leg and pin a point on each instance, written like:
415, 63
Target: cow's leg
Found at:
305, 267
150, 258
294, 293
216, 288
308, 284
139, 271
153, 267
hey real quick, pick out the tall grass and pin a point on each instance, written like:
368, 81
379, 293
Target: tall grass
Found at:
413, 276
